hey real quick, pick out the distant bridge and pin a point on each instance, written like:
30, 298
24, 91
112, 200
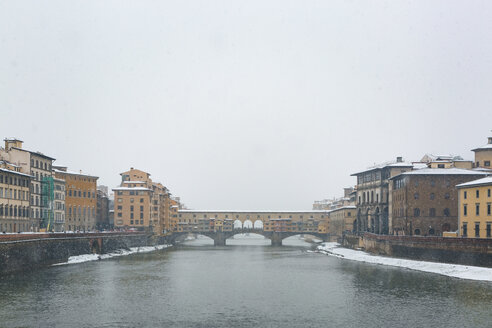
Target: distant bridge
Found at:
220, 237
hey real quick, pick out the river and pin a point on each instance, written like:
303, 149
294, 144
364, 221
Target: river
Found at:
244, 284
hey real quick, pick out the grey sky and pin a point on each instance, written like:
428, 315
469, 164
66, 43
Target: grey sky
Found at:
245, 104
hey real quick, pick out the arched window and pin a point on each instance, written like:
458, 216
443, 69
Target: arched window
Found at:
372, 196
446, 212
417, 232
431, 231
416, 195
416, 212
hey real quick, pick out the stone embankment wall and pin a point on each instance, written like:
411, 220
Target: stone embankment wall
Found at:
466, 251
25, 252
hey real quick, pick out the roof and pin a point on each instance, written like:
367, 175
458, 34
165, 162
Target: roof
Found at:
34, 153
132, 188
383, 165
348, 207
479, 182
12, 139
485, 147
451, 171
133, 182
15, 172
249, 212
74, 173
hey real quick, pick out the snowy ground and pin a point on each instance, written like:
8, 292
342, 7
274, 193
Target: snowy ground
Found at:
451, 270
95, 257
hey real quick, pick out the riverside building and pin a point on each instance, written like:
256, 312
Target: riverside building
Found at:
14, 199
80, 199
140, 203
475, 212
372, 198
38, 166
424, 202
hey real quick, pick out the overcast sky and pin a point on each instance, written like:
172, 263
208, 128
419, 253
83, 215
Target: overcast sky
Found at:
245, 104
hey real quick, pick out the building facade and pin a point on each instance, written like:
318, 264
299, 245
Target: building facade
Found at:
39, 167
483, 155
342, 220
425, 202
475, 212
14, 200
372, 200
80, 199
270, 221
102, 210
59, 204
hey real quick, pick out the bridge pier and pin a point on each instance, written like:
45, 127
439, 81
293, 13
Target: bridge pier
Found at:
219, 239
276, 239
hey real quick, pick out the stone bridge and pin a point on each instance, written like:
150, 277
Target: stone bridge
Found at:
220, 237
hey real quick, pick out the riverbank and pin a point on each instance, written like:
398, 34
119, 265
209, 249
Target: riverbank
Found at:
122, 252
450, 270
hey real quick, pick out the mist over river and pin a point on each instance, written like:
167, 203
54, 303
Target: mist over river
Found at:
247, 283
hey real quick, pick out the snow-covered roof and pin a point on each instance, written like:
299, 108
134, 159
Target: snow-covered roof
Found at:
34, 153
75, 173
15, 172
249, 212
450, 171
383, 165
479, 182
133, 181
486, 147
131, 188
348, 207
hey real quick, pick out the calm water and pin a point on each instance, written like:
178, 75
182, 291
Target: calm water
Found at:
245, 284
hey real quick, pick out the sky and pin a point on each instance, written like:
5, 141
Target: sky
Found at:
265, 105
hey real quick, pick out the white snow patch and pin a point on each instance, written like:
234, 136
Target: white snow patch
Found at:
122, 252
446, 269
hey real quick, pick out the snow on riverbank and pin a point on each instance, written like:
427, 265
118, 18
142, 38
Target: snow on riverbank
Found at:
451, 270
94, 257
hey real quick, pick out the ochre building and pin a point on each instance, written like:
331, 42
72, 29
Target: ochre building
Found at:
475, 212
80, 199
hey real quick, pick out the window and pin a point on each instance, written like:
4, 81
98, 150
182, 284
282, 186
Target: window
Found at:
141, 208
416, 195
141, 215
488, 209
432, 212
440, 166
477, 229
446, 212
416, 212
432, 183
465, 209
446, 195
119, 214
487, 229
131, 200
464, 194
141, 200
477, 209
465, 229
477, 193
131, 216
417, 232
120, 200
131, 207
488, 192
486, 163
432, 196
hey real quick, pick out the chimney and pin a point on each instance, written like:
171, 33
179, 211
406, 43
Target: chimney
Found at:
399, 159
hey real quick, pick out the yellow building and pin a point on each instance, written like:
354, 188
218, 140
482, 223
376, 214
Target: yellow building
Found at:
141, 203
474, 215
483, 155
80, 199
14, 200
342, 219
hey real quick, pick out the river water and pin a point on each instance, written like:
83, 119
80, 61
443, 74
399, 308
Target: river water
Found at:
245, 284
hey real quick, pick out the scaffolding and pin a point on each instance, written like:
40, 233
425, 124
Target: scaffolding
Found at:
47, 204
